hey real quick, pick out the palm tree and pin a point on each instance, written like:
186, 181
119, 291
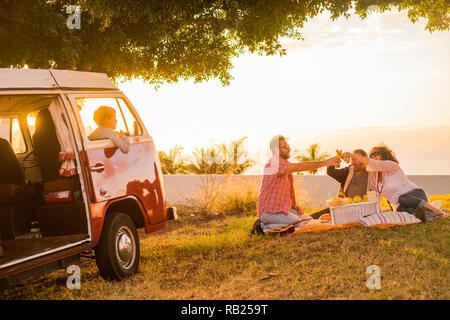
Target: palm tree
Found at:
206, 161
221, 159
312, 155
217, 159
174, 162
235, 158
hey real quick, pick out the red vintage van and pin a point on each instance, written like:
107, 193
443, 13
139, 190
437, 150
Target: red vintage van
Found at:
63, 195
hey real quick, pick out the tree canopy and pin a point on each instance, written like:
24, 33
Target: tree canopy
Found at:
164, 41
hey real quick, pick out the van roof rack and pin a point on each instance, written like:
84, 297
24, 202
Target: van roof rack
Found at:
53, 79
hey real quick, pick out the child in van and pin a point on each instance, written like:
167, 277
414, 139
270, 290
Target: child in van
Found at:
105, 118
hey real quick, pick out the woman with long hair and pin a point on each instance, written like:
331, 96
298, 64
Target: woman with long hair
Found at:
388, 179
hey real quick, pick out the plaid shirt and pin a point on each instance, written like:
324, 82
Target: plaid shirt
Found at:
277, 188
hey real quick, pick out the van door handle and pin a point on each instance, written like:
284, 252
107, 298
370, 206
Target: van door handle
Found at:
98, 167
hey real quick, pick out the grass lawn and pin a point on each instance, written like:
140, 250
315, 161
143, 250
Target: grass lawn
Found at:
213, 258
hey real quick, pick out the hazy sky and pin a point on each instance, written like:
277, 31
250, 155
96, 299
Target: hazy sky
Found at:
350, 84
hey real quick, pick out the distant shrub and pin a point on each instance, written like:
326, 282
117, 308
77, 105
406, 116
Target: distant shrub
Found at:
239, 198
217, 193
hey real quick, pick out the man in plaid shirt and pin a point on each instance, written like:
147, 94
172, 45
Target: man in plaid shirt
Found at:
276, 200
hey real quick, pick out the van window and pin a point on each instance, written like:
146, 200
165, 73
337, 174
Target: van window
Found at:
132, 124
87, 107
10, 130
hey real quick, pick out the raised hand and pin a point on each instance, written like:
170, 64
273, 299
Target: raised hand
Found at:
333, 162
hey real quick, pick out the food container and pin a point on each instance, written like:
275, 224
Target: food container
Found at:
352, 212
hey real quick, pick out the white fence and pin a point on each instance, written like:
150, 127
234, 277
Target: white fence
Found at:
319, 188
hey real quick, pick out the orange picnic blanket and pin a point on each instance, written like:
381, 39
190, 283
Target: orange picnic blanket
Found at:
318, 227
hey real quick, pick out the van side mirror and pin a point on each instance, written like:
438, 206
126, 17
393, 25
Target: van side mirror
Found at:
136, 129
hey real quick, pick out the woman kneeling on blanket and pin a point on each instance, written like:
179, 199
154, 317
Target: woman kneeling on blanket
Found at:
388, 179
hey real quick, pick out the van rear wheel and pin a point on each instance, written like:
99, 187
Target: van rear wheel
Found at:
117, 253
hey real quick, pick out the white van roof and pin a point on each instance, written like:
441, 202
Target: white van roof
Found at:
52, 79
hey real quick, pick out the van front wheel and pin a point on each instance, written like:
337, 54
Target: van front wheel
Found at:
117, 253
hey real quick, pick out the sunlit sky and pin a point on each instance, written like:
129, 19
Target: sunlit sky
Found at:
350, 84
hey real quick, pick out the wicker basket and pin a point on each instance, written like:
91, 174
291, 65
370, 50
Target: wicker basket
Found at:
352, 212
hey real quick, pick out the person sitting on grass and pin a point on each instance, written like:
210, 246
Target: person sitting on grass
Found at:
276, 201
105, 118
388, 179
353, 180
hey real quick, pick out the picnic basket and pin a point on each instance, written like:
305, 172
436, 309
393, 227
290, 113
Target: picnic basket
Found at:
353, 211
